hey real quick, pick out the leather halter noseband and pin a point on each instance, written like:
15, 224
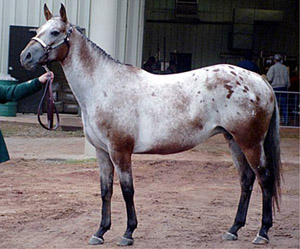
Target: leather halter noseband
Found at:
48, 48
51, 108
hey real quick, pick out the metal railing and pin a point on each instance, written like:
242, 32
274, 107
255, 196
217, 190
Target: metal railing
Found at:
289, 107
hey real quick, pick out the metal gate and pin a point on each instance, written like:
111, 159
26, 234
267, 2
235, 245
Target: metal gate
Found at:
288, 103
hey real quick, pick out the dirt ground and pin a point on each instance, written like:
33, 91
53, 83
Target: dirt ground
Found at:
185, 200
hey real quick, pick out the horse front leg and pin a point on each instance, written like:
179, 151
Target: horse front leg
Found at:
106, 182
122, 162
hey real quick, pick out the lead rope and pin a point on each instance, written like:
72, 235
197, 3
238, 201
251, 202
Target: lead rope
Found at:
51, 108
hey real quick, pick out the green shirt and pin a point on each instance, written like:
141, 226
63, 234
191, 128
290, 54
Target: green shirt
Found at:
15, 93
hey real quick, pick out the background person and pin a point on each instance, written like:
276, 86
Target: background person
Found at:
248, 63
278, 76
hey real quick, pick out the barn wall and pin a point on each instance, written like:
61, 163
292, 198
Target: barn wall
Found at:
209, 41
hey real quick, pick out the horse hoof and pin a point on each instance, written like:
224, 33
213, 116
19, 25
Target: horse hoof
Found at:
125, 242
229, 236
260, 240
96, 240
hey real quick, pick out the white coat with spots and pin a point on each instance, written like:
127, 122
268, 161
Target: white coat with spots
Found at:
127, 110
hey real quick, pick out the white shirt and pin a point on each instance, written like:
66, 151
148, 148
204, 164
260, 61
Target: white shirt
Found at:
278, 76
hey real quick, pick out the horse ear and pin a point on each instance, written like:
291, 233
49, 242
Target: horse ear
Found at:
63, 13
48, 14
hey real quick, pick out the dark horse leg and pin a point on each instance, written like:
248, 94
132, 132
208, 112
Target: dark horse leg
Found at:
106, 181
122, 162
257, 161
247, 178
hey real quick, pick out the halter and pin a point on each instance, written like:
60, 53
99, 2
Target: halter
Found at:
49, 48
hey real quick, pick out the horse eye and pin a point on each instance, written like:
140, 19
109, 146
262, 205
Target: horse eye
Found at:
55, 33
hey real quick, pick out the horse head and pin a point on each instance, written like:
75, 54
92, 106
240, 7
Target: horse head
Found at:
51, 42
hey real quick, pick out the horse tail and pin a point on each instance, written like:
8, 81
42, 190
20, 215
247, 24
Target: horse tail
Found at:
272, 152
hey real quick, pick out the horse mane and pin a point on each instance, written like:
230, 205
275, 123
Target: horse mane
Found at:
96, 47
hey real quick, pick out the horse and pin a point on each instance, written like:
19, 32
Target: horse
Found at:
126, 110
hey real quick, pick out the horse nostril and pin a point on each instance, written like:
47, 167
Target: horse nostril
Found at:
28, 57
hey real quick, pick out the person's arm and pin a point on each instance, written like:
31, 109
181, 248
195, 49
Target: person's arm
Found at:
270, 75
287, 77
20, 91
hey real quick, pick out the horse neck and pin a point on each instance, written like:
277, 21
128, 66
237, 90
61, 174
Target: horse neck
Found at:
86, 68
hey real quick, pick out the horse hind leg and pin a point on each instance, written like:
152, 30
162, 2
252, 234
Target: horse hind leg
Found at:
257, 160
247, 178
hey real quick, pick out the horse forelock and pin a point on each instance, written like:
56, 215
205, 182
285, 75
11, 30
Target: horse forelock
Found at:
54, 22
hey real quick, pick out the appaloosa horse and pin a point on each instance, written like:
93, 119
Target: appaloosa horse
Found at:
127, 110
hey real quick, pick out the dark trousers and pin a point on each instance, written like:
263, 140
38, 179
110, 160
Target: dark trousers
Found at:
282, 102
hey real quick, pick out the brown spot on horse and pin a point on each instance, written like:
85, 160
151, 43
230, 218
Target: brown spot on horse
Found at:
87, 61
233, 73
230, 91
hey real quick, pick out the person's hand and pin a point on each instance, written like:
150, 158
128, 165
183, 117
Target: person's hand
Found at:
43, 78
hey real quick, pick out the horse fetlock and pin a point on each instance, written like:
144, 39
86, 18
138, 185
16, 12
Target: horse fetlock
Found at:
105, 226
132, 223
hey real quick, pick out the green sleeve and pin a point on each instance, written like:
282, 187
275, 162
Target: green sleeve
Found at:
20, 91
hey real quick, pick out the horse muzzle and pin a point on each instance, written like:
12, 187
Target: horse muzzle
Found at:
31, 56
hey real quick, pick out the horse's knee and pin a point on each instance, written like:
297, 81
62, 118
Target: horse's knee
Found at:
106, 192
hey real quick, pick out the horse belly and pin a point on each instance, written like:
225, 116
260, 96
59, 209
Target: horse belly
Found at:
173, 140
166, 148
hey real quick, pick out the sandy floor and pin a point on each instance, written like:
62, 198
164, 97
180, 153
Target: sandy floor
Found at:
186, 200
